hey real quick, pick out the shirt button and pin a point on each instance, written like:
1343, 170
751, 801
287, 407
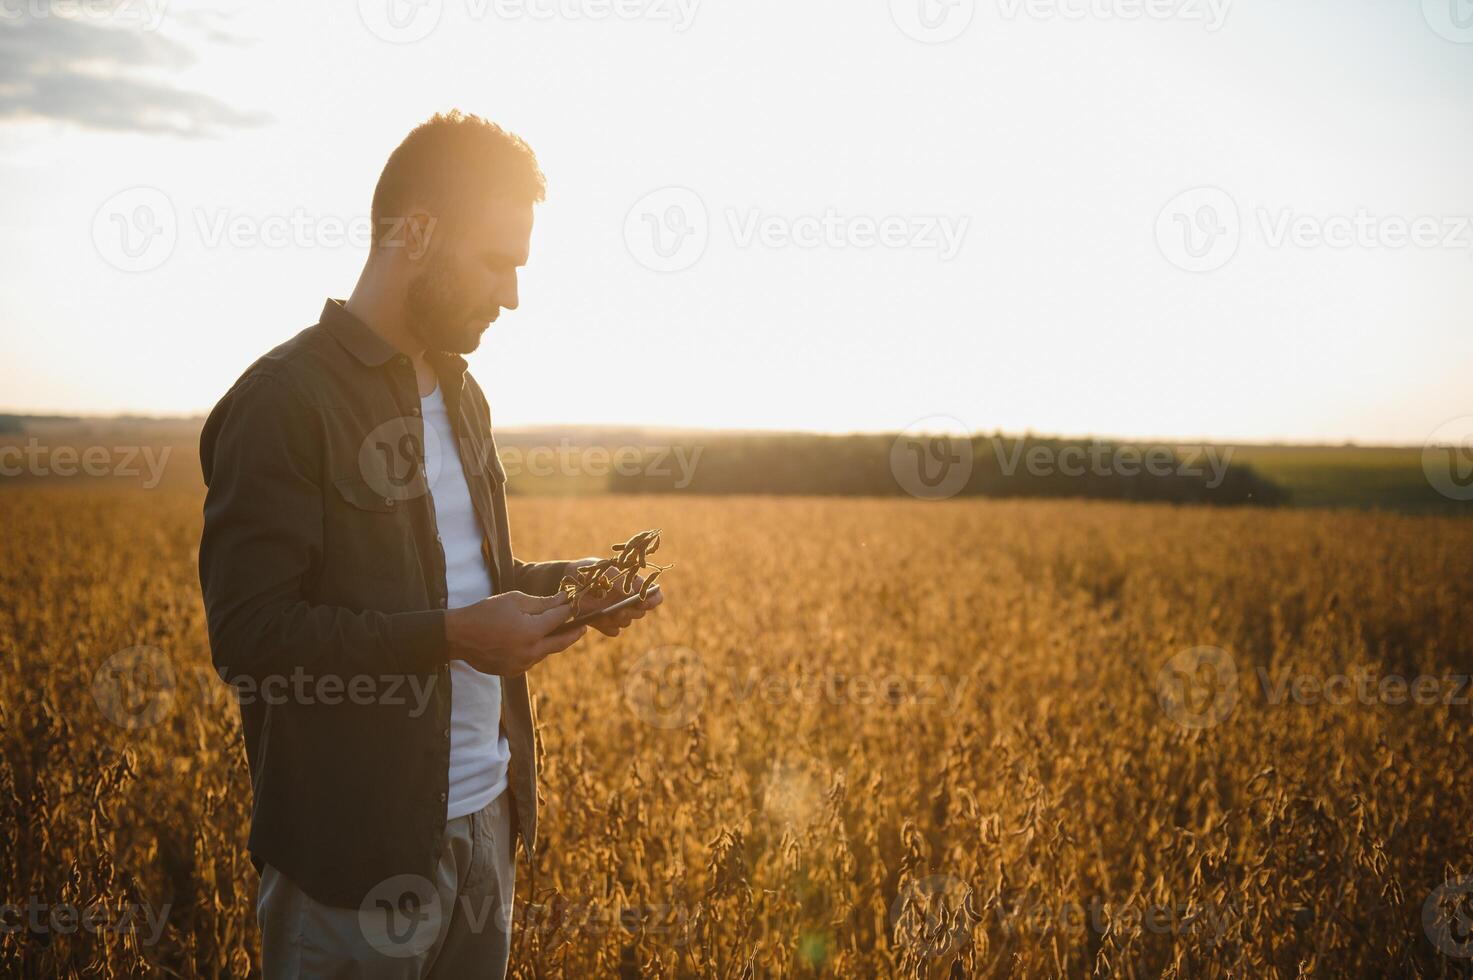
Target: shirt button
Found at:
388, 501
442, 797
447, 733
414, 411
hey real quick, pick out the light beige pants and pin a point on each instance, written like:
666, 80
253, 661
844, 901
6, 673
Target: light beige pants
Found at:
456, 926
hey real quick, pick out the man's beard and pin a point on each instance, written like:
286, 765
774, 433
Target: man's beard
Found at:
439, 316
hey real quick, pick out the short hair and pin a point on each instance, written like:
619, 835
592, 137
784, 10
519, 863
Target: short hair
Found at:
450, 159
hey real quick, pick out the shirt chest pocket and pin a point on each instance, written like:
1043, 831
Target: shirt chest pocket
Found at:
366, 495
385, 469
370, 549
481, 463
484, 474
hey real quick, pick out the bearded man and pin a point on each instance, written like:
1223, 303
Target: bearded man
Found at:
363, 597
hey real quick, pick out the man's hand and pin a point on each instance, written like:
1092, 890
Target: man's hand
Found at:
612, 624
509, 633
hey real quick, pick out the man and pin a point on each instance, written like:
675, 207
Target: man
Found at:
363, 597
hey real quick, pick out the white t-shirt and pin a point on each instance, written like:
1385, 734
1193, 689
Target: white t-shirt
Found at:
479, 752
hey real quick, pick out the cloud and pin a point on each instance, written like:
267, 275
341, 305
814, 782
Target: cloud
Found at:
88, 71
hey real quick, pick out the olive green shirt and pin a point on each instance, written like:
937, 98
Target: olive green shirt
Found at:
325, 595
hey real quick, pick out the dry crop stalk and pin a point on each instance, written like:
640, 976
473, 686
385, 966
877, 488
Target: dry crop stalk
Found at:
630, 559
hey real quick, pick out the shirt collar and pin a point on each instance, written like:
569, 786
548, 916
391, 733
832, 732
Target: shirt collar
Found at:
355, 335
360, 340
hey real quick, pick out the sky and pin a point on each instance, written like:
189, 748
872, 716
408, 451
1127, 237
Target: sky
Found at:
1190, 219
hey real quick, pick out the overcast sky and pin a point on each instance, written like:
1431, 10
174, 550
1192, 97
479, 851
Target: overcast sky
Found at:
1227, 219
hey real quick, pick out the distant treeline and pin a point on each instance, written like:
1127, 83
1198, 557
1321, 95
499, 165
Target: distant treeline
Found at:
983, 466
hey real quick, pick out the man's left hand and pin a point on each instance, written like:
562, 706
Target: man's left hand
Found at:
614, 623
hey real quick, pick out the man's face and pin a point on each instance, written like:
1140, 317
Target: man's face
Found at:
468, 274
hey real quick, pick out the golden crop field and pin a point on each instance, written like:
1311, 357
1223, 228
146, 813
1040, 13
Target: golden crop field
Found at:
862, 738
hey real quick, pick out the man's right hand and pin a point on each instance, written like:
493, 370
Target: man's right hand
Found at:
508, 634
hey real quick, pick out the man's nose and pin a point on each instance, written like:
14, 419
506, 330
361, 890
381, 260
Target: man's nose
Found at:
508, 298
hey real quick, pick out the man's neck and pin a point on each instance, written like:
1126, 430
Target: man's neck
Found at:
384, 315
381, 308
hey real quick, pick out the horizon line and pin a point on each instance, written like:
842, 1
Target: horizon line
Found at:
1262, 443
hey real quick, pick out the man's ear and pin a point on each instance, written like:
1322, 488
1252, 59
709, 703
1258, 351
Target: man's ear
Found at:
419, 229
